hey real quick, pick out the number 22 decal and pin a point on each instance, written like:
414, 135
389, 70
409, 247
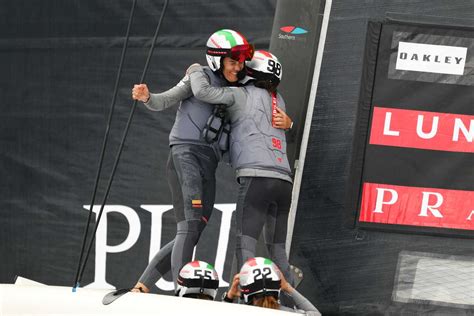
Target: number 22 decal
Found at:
261, 274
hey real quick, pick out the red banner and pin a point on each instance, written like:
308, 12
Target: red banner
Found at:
421, 129
429, 207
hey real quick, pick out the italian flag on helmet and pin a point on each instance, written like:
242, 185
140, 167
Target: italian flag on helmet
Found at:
226, 39
220, 44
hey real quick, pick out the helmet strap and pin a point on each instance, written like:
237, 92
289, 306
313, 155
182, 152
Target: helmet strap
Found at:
201, 290
241, 75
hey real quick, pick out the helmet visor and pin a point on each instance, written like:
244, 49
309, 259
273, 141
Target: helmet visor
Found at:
242, 53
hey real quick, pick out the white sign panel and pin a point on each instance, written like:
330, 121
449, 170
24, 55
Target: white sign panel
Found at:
431, 58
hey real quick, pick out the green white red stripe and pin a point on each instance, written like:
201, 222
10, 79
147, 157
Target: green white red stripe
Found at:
233, 38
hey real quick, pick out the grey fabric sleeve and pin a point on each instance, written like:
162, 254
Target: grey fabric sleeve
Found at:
203, 90
303, 306
281, 104
164, 100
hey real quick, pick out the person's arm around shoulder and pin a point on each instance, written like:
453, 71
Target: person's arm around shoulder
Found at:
203, 90
301, 302
281, 119
164, 100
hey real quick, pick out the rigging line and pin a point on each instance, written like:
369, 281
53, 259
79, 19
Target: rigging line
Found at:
132, 111
104, 143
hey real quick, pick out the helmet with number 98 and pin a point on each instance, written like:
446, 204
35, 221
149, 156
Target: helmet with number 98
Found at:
197, 278
259, 277
227, 43
265, 67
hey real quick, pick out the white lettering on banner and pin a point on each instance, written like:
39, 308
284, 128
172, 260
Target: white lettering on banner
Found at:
419, 127
386, 126
157, 211
425, 207
459, 126
380, 196
101, 247
227, 210
470, 215
417, 206
431, 58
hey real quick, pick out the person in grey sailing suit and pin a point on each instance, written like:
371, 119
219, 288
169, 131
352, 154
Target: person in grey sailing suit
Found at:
258, 155
193, 160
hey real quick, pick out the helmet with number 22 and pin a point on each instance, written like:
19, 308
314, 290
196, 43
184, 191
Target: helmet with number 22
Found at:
259, 277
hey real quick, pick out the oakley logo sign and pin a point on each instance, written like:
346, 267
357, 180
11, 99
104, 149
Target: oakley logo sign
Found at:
431, 58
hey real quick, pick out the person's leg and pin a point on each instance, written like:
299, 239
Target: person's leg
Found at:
194, 164
276, 226
161, 262
158, 266
208, 189
251, 211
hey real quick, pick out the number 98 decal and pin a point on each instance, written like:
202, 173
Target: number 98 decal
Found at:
274, 67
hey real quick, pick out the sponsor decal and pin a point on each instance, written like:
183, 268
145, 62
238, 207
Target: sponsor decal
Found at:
291, 32
217, 52
431, 58
415, 206
422, 129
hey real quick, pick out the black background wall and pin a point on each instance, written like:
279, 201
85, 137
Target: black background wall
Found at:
58, 61
352, 271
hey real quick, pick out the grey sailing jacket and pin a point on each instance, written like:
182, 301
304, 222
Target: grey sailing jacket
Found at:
192, 114
256, 148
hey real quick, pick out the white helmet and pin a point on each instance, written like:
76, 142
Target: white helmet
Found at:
264, 66
227, 43
197, 277
259, 277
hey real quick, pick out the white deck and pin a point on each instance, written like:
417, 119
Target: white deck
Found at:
25, 298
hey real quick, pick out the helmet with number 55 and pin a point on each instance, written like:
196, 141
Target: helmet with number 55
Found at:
197, 279
259, 277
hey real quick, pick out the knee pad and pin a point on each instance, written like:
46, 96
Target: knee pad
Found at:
276, 251
245, 248
201, 226
190, 228
246, 242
